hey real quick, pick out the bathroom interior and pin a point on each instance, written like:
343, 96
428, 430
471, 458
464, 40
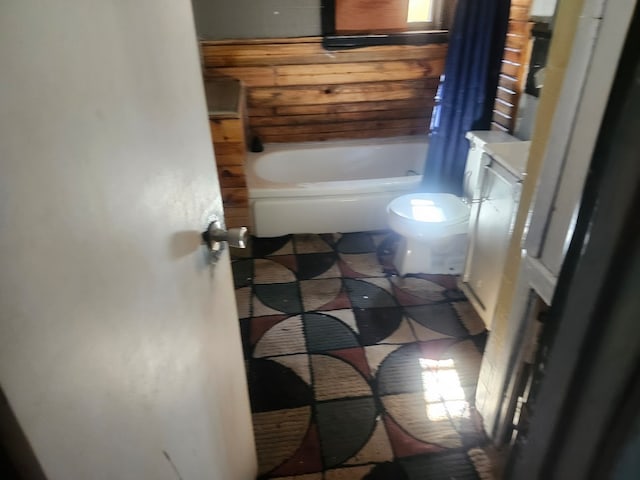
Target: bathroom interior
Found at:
121, 341
389, 332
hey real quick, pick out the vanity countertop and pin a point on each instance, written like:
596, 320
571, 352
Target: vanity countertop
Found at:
482, 137
513, 156
223, 97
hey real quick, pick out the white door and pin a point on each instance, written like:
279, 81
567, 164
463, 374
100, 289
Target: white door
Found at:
120, 352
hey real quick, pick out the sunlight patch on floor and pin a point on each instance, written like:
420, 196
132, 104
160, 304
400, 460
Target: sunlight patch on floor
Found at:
443, 394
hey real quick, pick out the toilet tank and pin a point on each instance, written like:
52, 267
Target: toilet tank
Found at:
478, 139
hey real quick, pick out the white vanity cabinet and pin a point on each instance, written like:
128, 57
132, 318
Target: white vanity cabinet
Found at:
491, 224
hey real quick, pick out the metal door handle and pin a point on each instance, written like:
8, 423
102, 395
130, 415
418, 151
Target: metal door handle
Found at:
215, 235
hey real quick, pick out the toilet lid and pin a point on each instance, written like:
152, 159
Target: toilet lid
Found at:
440, 208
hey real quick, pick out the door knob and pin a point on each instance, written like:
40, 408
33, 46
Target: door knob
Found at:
215, 234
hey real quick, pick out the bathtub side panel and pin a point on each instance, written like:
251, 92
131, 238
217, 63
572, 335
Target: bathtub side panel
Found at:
273, 217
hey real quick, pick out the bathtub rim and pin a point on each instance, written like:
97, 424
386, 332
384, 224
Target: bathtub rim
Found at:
259, 187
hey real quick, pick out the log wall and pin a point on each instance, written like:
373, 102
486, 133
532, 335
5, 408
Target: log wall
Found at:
297, 91
515, 65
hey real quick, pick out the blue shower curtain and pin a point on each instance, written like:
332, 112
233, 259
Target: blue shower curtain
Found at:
466, 95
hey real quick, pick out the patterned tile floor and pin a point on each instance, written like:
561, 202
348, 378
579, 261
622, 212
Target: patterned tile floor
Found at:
354, 372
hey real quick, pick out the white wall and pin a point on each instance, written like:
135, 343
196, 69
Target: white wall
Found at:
527, 109
543, 8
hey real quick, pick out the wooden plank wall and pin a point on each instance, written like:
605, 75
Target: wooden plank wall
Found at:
229, 143
297, 91
515, 63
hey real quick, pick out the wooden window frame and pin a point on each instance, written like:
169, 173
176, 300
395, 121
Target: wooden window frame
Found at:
422, 34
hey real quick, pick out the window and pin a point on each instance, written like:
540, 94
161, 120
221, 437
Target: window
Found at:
351, 23
420, 11
430, 14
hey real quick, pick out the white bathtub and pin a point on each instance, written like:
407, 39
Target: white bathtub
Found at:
326, 187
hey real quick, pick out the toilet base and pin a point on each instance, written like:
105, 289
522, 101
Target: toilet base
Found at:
434, 256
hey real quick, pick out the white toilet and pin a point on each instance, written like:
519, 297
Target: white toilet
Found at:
434, 226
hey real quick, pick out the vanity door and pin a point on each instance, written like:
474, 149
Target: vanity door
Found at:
490, 239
